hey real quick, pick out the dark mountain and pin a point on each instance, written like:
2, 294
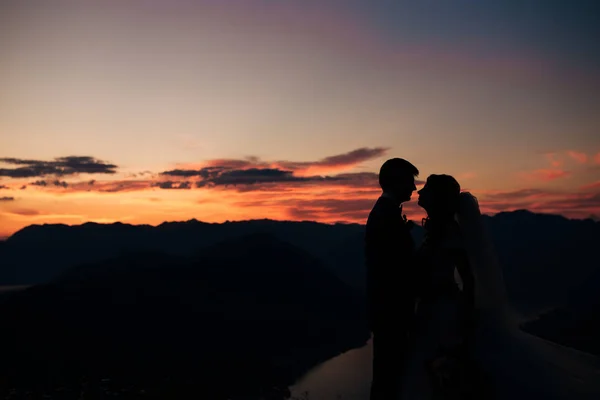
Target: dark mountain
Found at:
255, 302
544, 256
39, 253
575, 324
239, 317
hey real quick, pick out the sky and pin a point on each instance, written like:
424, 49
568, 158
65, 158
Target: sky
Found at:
152, 111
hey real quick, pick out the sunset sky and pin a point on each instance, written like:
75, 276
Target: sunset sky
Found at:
146, 111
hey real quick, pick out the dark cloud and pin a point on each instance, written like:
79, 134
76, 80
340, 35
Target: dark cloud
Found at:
340, 160
222, 176
39, 183
254, 176
272, 178
60, 183
56, 182
172, 185
254, 179
7, 198
61, 166
3, 187
205, 173
251, 173
139, 174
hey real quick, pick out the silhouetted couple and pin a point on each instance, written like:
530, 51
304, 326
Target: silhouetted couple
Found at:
421, 301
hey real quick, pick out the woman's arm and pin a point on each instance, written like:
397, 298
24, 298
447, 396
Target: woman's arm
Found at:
461, 261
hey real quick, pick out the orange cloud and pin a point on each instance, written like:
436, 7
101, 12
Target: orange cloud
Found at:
579, 157
327, 202
579, 204
467, 176
242, 175
591, 186
229, 189
235, 189
554, 160
24, 212
597, 159
546, 175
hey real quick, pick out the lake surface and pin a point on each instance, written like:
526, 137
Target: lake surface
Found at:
345, 377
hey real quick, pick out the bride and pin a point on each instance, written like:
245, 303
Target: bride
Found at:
438, 366
466, 343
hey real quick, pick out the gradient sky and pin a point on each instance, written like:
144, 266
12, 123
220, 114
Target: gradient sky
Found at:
218, 110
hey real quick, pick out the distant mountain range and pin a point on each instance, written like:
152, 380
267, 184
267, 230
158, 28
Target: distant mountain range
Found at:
544, 256
255, 303
575, 323
239, 318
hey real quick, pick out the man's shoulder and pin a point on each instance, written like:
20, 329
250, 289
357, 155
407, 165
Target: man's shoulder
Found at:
384, 206
385, 217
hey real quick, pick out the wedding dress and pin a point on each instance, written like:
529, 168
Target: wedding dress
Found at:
438, 327
514, 364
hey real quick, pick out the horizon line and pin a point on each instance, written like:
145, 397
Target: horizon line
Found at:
4, 238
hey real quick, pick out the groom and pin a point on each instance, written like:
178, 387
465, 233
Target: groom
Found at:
389, 251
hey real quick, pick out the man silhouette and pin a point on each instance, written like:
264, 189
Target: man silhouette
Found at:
389, 251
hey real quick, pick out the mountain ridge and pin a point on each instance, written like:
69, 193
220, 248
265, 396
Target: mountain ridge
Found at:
243, 316
544, 256
269, 220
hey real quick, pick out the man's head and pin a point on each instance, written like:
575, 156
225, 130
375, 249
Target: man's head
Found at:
397, 177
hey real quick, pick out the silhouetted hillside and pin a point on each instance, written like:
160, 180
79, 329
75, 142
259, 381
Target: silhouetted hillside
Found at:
39, 253
575, 324
257, 302
243, 315
544, 256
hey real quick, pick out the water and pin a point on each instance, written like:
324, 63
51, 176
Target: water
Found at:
345, 377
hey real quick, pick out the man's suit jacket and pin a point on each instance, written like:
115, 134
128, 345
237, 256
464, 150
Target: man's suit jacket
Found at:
390, 263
